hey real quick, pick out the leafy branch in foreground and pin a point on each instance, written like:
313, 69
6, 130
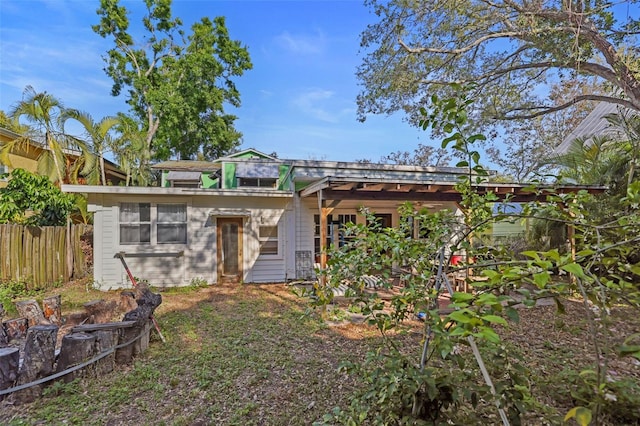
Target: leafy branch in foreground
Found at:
443, 377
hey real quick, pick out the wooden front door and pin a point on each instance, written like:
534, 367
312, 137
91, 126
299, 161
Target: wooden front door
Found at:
229, 253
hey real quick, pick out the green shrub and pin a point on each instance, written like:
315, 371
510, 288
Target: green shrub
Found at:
12, 290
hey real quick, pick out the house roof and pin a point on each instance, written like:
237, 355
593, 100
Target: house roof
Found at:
162, 191
250, 153
187, 165
336, 188
183, 175
594, 124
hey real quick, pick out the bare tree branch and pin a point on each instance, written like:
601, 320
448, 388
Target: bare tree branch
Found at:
461, 50
575, 100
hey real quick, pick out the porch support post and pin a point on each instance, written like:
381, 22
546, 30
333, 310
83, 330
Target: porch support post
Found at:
468, 272
324, 225
571, 236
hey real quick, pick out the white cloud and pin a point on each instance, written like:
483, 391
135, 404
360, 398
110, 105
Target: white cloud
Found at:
315, 103
302, 44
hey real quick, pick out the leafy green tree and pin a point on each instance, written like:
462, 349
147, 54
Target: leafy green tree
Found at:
527, 144
423, 155
627, 124
33, 200
129, 148
98, 133
177, 86
610, 159
43, 114
508, 49
592, 161
440, 382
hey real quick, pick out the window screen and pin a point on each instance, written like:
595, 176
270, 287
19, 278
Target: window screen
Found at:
135, 223
172, 223
268, 236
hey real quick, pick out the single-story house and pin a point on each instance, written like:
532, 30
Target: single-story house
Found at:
250, 217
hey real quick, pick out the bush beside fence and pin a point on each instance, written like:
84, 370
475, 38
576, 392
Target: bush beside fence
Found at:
39, 256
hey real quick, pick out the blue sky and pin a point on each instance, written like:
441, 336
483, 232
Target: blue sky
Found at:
298, 100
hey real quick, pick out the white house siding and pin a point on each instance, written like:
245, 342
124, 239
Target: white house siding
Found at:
110, 265
201, 234
305, 226
159, 264
267, 268
179, 264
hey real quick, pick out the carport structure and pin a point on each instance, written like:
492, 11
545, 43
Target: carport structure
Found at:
331, 191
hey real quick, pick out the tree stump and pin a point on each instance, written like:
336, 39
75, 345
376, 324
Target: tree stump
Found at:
147, 303
127, 301
105, 340
141, 317
9, 363
125, 354
76, 348
16, 328
52, 309
76, 318
38, 360
100, 310
4, 339
30, 310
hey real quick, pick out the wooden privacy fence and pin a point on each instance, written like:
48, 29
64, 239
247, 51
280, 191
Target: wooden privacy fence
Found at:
39, 255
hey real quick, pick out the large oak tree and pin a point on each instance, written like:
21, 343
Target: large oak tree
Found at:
510, 51
177, 85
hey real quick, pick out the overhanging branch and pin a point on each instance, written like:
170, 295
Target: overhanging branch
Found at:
461, 50
581, 98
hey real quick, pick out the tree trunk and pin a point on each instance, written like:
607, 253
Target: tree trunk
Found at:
31, 311
76, 348
69, 251
39, 357
4, 340
9, 363
127, 301
103, 175
52, 309
106, 338
147, 303
141, 316
125, 354
16, 328
100, 311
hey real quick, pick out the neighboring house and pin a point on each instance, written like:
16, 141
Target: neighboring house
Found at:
27, 159
249, 217
594, 124
511, 227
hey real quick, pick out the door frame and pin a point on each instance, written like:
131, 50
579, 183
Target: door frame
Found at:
220, 276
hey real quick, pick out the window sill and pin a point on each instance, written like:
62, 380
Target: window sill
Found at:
151, 254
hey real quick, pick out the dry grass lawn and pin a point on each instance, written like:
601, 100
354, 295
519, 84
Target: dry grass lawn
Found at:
248, 355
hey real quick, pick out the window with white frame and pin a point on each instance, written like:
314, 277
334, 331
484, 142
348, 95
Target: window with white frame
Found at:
268, 236
147, 223
135, 223
172, 224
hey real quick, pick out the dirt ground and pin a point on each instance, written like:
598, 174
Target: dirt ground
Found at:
247, 354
